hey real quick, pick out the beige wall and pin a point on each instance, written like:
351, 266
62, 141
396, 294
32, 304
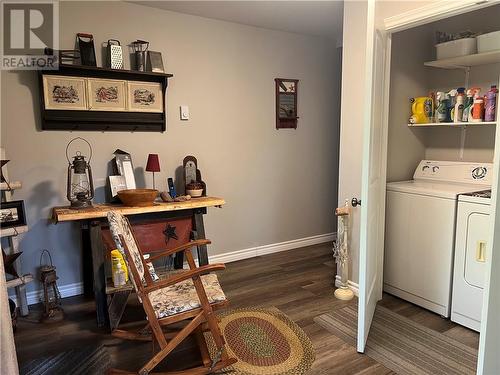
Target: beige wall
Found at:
279, 185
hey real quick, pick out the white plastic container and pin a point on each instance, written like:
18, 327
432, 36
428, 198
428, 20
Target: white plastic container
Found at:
488, 42
459, 47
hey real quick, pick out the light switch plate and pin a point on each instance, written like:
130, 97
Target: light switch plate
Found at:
184, 112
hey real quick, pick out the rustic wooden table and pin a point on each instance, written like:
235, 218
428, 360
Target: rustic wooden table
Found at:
148, 224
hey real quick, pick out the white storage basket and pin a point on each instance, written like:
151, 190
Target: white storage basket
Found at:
488, 42
459, 47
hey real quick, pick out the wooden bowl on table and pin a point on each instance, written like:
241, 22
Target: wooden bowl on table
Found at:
138, 197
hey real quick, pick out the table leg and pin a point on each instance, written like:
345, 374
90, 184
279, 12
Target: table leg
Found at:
88, 277
22, 300
200, 235
99, 274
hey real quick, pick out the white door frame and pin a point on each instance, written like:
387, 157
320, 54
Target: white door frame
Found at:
420, 16
433, 12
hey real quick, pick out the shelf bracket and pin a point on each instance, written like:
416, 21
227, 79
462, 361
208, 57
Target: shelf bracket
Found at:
467, 77
463, 136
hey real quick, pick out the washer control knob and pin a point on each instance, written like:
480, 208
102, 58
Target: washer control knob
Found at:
479, 173
435, 168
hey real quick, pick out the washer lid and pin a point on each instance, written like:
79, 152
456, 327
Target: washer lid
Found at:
431, 188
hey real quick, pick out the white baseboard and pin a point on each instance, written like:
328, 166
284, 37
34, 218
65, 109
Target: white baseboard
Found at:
36, 296
352, 285
75, 289
271, 248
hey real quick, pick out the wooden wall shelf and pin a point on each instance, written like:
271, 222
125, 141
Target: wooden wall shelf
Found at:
104, 120
13, 185
14, 231
22, 280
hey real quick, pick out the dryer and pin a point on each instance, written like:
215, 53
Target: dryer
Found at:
420, 230
470, 258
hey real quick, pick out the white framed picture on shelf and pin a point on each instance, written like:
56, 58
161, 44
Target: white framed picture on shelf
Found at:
107, 94
64, 93
145, 97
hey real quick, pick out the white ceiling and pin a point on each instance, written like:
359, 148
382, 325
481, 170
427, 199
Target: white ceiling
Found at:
318, 18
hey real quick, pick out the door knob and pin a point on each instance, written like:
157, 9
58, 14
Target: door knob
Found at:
355, 202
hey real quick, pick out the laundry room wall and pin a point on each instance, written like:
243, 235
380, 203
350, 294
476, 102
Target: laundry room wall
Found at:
444, 144
410, 78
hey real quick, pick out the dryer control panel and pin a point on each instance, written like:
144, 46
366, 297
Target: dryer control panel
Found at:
454, 171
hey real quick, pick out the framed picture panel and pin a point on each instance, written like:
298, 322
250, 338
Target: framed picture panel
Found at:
93, 98
12, 214
286, 103
145, 97
107, 94
64, 93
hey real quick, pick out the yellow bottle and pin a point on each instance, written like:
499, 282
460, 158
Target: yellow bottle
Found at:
116, 256
422, 109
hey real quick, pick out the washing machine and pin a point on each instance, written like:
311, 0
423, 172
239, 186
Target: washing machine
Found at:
470, 258
420, 230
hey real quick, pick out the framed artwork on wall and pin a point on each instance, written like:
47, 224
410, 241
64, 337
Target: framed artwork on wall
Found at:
107, 94
145, 97
12, 214
286, 103
64, 93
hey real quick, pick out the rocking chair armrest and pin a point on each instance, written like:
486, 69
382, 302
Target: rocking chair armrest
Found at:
184, 276
174, 250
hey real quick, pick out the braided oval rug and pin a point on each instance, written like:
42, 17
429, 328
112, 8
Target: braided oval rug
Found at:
265, 341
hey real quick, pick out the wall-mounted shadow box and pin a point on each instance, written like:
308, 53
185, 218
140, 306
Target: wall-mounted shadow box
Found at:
79, 97
286, 103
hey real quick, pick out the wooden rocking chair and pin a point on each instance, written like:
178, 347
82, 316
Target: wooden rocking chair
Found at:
190, 296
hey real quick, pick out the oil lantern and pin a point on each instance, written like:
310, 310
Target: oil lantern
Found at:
80, 189
52, 310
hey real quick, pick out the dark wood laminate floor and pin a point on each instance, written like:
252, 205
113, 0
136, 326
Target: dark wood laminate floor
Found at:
298, 282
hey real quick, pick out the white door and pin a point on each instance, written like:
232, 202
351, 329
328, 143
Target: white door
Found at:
373, 178
489, 343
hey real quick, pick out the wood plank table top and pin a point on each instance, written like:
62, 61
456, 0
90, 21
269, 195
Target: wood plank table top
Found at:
97, 211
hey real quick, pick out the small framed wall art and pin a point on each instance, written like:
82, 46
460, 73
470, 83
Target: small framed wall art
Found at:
145, 97
12, 214
64, 93
107, 94
286, 103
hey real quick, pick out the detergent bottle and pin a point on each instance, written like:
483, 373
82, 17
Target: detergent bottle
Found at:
117, 257
432, 95
458, 110
118, 274
478, 110
468, 105
451, 95
442, 107
490, 105
422, 109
